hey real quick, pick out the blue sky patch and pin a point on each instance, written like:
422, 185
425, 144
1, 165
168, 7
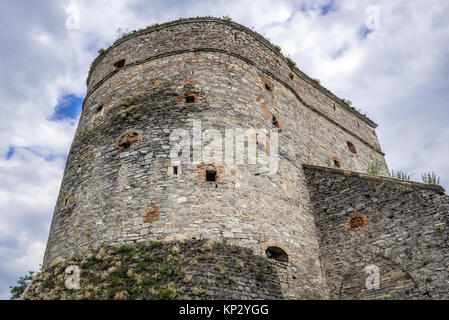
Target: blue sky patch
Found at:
10, 152
69, 107
329, 7
363, 32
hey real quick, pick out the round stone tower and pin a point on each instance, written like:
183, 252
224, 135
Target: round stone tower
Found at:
121, 186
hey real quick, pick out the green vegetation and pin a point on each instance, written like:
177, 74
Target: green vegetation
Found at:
227, 18
348, 102
291, 75
277, 48
261, 276
430, 178
22, 283
374, 168
155, 270
400, 175
291, 62
317, 80
101, 50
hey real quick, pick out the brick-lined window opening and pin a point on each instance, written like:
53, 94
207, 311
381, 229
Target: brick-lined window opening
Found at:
211, 175
119, 63
127, 140
351, 147
277, 254
337, 163
190, 99
268, 87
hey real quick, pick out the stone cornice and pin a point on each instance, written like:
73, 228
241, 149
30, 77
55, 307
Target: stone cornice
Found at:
248, 31
406, 184
247, 60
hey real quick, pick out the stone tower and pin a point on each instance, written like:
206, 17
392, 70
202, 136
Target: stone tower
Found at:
120, 187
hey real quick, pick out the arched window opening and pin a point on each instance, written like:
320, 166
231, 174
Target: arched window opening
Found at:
277, 254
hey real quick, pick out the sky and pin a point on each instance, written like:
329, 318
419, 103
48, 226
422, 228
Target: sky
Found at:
390, 58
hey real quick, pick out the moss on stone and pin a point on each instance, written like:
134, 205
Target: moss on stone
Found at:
158, 270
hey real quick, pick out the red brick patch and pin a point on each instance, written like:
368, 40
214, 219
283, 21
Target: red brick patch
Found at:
151, 214
356, 220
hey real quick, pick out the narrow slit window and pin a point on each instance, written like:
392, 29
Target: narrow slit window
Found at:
175, 170
351, 147
275, 122
119, 63
211, 175
337, 163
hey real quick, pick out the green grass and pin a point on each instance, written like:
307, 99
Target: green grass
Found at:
374, 168
400, 175
430, 178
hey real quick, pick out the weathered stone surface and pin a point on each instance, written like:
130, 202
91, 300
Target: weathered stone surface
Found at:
193, 269
406, 237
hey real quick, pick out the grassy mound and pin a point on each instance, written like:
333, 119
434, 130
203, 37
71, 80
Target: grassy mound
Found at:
191, 269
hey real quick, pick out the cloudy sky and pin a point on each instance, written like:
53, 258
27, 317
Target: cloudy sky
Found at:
394, 68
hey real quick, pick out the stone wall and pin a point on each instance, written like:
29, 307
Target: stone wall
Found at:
216, 35
400, 227
166, 270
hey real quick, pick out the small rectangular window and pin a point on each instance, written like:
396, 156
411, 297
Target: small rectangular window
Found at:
211, 175
190, 99
175, 170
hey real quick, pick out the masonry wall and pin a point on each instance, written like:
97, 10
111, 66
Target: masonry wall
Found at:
397, 226
193, 269
115, 194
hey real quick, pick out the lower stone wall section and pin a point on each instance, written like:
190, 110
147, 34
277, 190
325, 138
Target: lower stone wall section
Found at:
190, 269
373, 222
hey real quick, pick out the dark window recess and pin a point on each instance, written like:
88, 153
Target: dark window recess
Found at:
98, 109
351, 147
268, 87
275, 122
190, 99
211, 175
277, 254
337, 163
175, 170
120, 63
